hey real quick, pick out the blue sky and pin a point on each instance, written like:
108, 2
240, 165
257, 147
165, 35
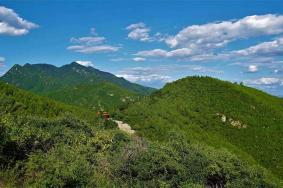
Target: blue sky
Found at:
150, 42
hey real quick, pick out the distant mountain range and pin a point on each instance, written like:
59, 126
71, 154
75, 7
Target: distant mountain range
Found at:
75, 84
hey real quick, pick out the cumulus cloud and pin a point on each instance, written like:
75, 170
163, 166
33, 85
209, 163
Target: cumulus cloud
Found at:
158, 76
216, 35
265, 50
183, 52
270, 48
261, 53
265, 81
12, 24
252, 68
139, 31
85, 63
139, 59
199, 42
145, 78
91, 44
145, 75
202, 69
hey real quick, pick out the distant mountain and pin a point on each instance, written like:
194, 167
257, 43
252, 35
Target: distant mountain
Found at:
243, 120
75, 84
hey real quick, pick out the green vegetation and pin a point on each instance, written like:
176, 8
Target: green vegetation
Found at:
195, 132
44, 143
96, 96
75, 84
218, 114
18, 102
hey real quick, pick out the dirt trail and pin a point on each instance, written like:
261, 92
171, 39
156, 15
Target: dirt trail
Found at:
124, 127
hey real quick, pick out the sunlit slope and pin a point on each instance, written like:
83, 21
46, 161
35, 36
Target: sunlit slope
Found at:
246, 121
44, 143
18, 102
95, 96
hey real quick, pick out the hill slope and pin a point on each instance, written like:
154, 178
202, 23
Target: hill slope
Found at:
243, 120
44, 143
64, 83
18, 102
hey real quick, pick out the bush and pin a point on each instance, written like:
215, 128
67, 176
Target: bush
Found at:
109, 124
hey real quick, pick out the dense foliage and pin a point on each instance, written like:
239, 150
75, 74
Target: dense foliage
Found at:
96, 96
75, 84
220, 114
47, 144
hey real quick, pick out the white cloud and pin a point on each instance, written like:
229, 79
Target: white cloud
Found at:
92, 49
2, 59
217, 35
161, 74
271, 48
145, 78
252, 64
91, 44
139, 31
88, 40
143, 75
2, 65
85, 63
252, 68
118, 59
202, 69
276, 71
12, 24
199, 42
264, 50
136, 26
139, 59
265, 81
183, 52
153, 53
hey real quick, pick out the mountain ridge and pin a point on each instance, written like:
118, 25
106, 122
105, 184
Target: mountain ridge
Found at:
68, 67
52, 81
214, 112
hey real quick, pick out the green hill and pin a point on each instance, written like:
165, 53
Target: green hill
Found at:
95, 96
14, 101
75, 84
44, 143
245, 121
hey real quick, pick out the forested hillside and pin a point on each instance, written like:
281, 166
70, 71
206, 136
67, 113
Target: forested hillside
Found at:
75, 84
241, 120
48, 144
